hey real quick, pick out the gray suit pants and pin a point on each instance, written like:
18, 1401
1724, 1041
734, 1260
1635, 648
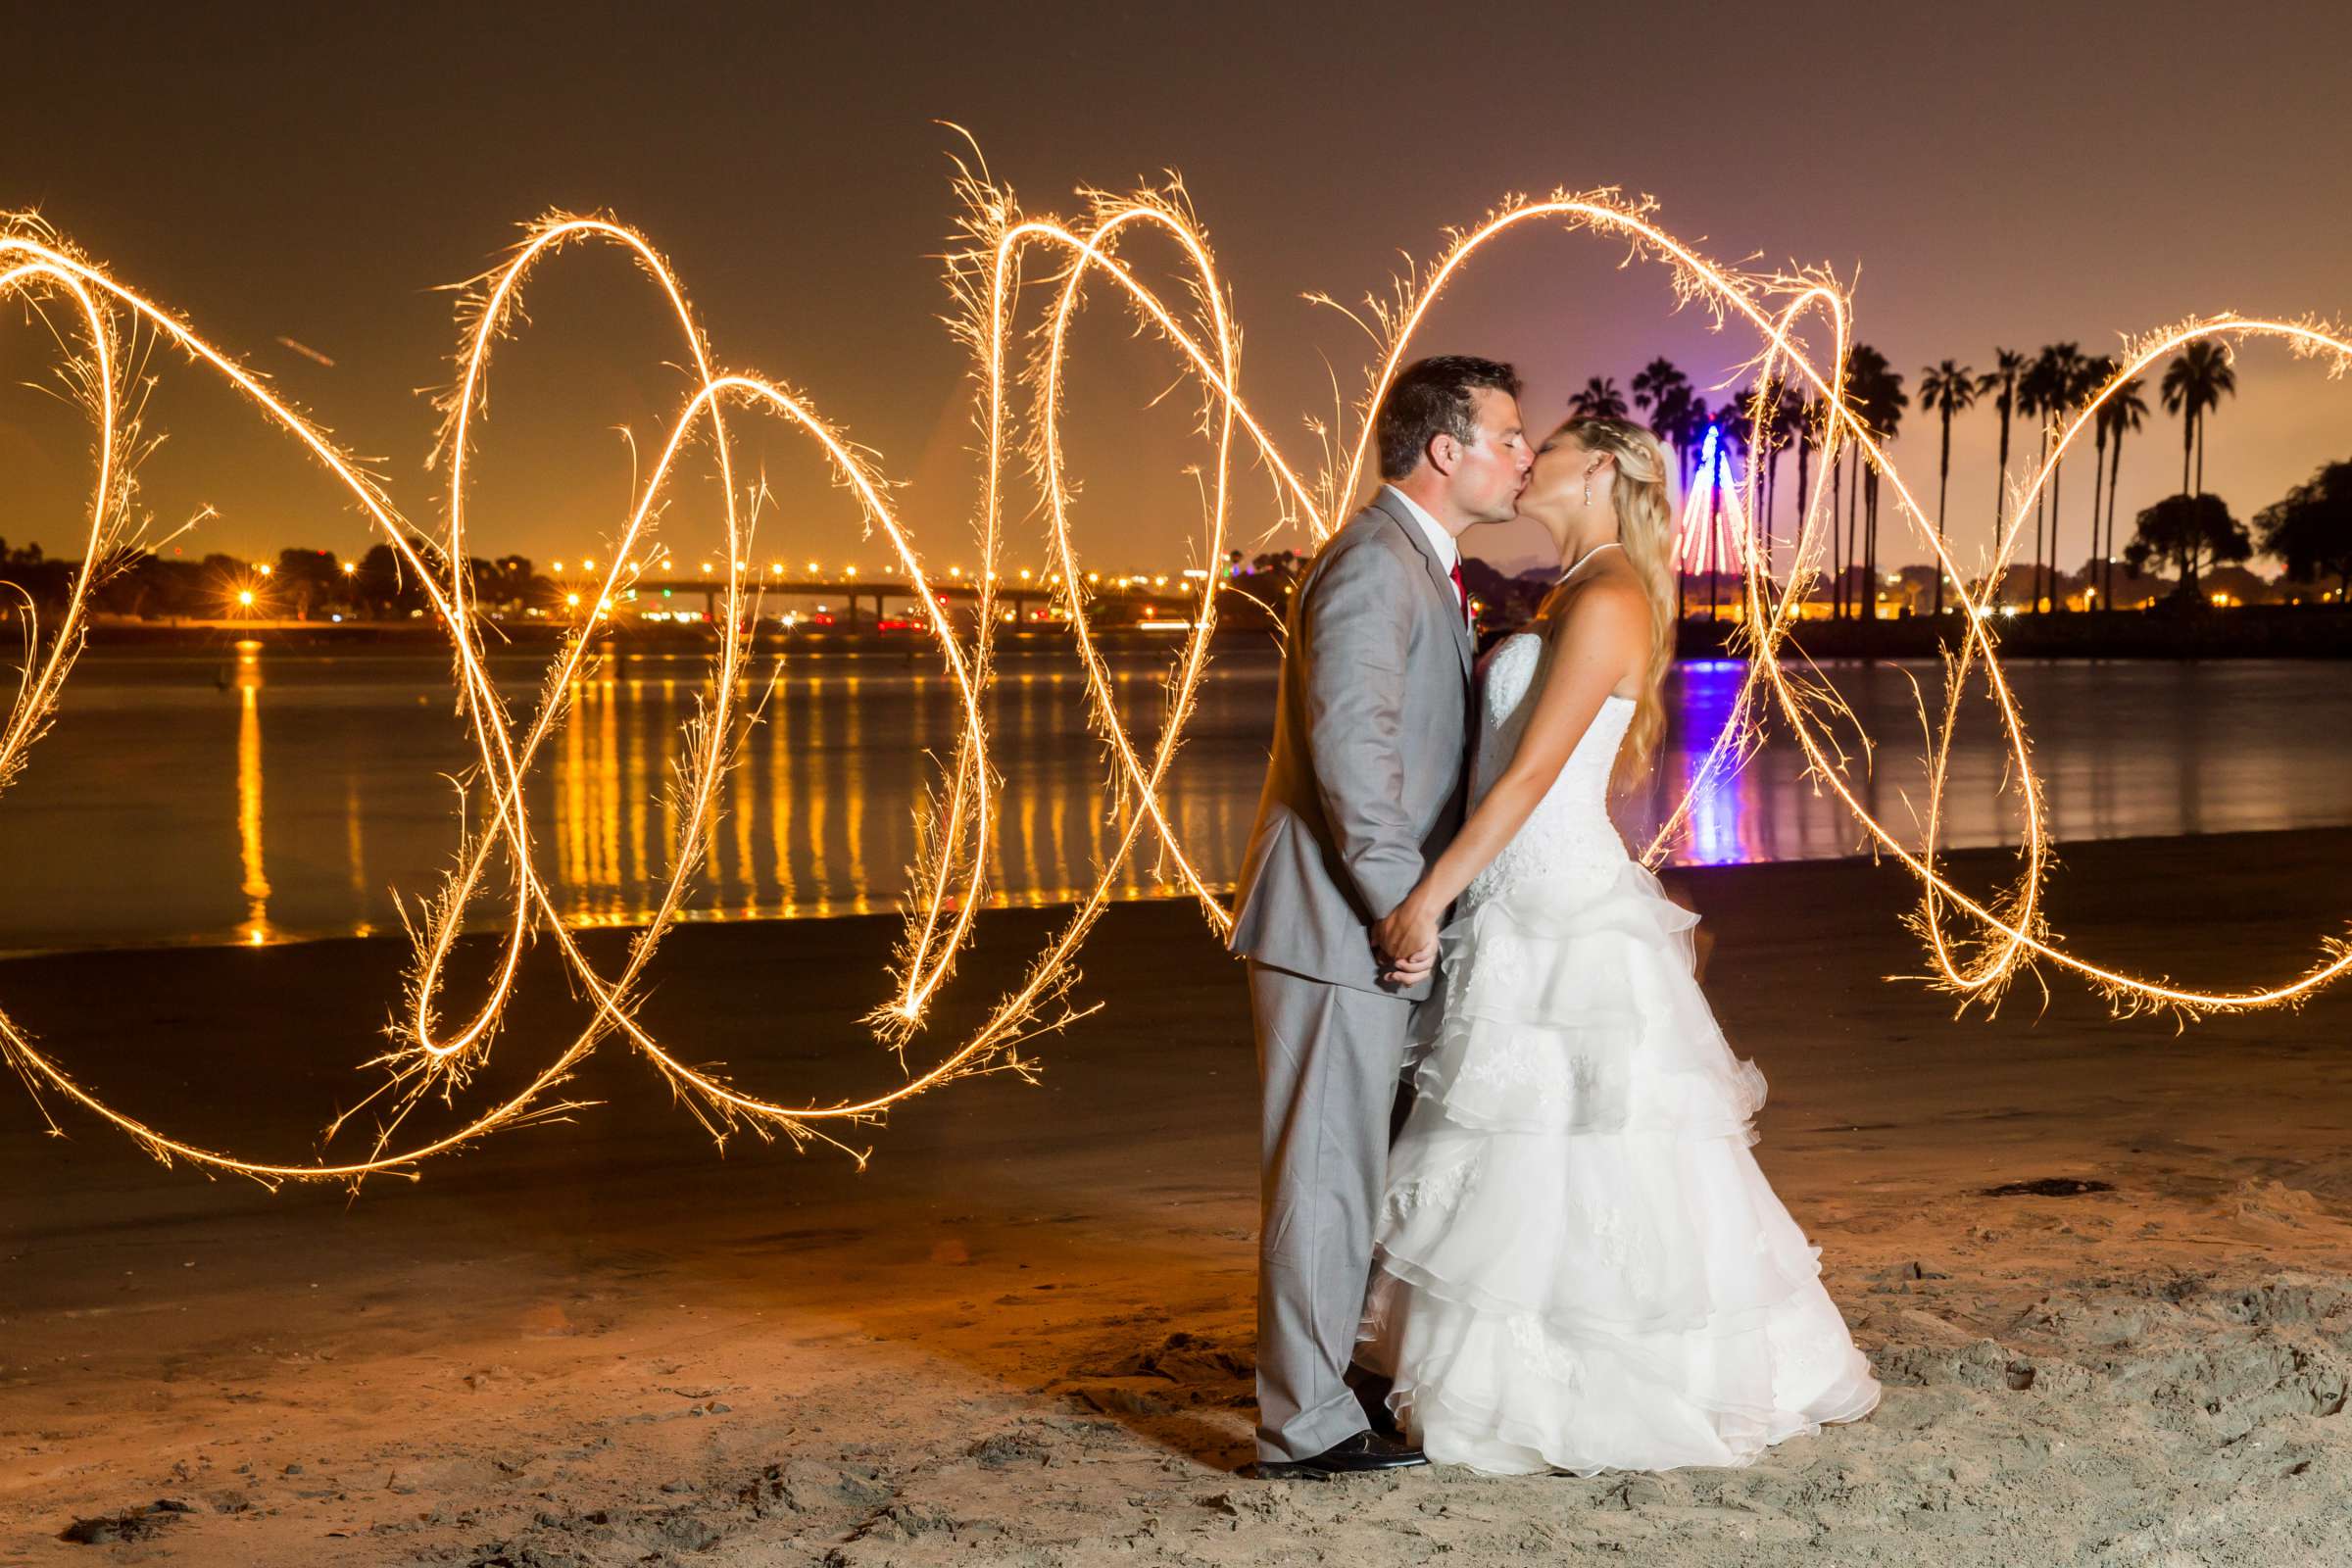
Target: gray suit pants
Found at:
1328, 1059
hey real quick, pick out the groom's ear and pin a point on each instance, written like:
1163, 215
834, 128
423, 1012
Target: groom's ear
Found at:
1444, 452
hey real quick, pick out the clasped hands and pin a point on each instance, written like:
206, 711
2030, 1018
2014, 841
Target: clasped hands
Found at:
1404, 940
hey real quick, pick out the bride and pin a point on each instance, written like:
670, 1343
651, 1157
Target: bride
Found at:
1579, 1264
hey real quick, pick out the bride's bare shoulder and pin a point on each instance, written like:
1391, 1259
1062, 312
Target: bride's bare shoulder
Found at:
1608, 604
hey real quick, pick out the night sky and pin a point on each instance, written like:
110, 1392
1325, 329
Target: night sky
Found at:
2000, 174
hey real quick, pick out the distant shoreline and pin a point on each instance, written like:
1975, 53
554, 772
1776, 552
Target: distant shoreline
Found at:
2252, 631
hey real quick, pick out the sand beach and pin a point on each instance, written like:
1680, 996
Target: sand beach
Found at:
2103, 1268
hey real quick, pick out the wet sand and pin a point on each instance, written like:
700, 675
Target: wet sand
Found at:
1023, 1334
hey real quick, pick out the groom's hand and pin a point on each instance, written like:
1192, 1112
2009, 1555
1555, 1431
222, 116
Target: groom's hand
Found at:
1406, 940
1412, 970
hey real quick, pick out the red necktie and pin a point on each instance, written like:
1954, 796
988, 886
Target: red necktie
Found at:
1464, 592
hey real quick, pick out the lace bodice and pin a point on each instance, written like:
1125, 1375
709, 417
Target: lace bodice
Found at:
1569, 833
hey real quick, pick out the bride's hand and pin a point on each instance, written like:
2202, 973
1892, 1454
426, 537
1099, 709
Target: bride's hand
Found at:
1406, 940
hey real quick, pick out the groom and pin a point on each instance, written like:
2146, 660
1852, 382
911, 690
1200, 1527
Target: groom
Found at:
1365, 786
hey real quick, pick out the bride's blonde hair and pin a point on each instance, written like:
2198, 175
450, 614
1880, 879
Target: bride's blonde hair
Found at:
1645, 528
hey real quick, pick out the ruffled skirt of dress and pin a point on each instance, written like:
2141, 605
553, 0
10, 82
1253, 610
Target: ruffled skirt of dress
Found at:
1580, 1265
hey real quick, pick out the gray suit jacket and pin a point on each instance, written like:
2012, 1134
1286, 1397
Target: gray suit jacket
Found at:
1371, 742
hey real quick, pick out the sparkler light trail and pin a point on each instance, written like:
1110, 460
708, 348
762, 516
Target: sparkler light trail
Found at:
106, 329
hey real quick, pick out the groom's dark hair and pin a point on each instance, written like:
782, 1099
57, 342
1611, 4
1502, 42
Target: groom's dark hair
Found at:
1431, 396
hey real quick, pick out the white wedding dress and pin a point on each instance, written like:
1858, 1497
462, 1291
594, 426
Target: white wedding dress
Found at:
1580, 1266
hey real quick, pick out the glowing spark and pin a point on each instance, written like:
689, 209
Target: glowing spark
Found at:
430, 1055
306, 351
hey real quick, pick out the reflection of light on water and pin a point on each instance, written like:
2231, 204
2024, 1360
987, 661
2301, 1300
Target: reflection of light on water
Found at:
633, 791
853, 790
2126, 749
605, 790
779, 776
256, 883
1721, 827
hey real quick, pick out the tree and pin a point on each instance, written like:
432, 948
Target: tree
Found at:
1731, 432
388, 584
1783, 428
1946, 389
33, 574
1663, 392
2009, 366
304, 580
2190, 532
2311, 528
2194, 384
2046, 388
1804, 418
1689, 426
2097, 374
2126, 410
1880, 400
2078, 377
1598, 400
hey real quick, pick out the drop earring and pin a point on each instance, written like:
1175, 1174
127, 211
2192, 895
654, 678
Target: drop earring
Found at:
1587, 492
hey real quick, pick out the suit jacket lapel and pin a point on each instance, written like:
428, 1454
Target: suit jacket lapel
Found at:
1438, 574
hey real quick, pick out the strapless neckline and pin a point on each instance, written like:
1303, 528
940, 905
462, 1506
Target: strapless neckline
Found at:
1569, 832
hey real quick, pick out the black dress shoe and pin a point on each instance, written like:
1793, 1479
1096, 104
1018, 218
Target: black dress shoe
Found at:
1360, 1454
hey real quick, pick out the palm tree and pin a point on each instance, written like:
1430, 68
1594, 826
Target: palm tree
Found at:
1837, 519
1692, 431
2008, 367
1731, 429
1805, 416
2043, 389
1880, 400
1598, 400
1663, 392
2074, 382
2126, 410
1785, 413
1946, 389
2095, 374
2194, 384
1690, 428
1770, 403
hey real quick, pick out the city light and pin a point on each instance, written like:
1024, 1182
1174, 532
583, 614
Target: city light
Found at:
432, 1057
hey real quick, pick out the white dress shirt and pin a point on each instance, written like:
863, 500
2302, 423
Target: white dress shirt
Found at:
1449, 548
